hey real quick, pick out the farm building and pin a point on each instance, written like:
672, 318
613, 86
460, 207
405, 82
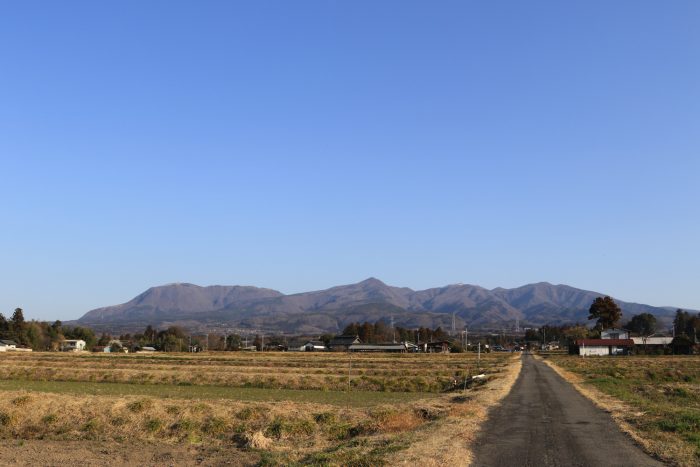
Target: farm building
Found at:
296, 345
438, 347
314, 346
6, 344
392, 348
343, 343
656, 341
597, 347
73, 345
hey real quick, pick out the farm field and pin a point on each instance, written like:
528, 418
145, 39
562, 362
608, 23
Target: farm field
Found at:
660, 398
247, 408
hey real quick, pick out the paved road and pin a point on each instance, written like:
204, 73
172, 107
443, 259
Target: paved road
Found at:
544, 421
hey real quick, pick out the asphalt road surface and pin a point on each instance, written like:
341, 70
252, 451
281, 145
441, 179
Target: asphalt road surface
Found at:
544, 421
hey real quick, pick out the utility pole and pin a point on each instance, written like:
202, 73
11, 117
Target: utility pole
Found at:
544, 338
349, 369
478, 358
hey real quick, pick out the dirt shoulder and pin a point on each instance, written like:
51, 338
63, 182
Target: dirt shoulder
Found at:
97, 453
449, 440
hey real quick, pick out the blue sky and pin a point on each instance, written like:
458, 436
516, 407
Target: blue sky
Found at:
300, 145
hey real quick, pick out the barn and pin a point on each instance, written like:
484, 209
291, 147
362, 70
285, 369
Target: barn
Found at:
595, 347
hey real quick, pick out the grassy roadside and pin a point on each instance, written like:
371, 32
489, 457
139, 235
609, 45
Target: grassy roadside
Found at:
656, 399
449, 442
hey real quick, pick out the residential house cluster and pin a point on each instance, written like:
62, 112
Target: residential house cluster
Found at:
619, 342
350, 343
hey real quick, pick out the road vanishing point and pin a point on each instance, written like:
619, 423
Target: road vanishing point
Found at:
544, 421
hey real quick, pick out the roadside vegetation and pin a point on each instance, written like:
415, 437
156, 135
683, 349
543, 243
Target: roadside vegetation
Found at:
661, 397
281, 408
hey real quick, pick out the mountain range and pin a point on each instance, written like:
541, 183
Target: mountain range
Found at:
330, 310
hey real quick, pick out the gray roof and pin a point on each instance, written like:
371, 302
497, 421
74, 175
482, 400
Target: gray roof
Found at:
377, 347
344, 340
7, 342
319, 343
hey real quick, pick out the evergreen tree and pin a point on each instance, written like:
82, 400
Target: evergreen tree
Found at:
643, 324
4, 326
606, 311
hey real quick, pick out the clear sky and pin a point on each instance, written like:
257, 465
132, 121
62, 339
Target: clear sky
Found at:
300, 145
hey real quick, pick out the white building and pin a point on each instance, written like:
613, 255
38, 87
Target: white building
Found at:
653, 340
315, 346
6, 344
613, 333
73, 345
594, 347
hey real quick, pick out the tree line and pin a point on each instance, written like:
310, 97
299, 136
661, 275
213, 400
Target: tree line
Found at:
41, 335
379, 332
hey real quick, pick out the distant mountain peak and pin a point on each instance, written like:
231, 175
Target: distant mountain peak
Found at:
372, 281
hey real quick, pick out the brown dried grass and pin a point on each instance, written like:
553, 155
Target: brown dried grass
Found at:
448, 441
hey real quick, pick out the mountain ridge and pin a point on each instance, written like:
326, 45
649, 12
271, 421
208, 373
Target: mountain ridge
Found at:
329, 310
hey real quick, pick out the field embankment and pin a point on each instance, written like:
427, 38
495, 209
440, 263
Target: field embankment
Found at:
175, 406
656, 399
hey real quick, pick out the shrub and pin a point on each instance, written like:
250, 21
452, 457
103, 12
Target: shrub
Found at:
21, 401
91, 426
214, 426
325, 418
49, 419
154, 424
139, 406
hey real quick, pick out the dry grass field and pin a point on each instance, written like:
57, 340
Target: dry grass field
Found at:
245, 408
655, 398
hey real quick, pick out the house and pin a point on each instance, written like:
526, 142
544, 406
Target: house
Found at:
438, 347
614, 333
612, 342
146, 349
392, 348
73, 345
296, 345
596, 347
314, 346
343, 343
6, 344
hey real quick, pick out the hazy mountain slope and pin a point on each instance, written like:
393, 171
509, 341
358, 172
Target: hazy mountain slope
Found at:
179, 299
369, 300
